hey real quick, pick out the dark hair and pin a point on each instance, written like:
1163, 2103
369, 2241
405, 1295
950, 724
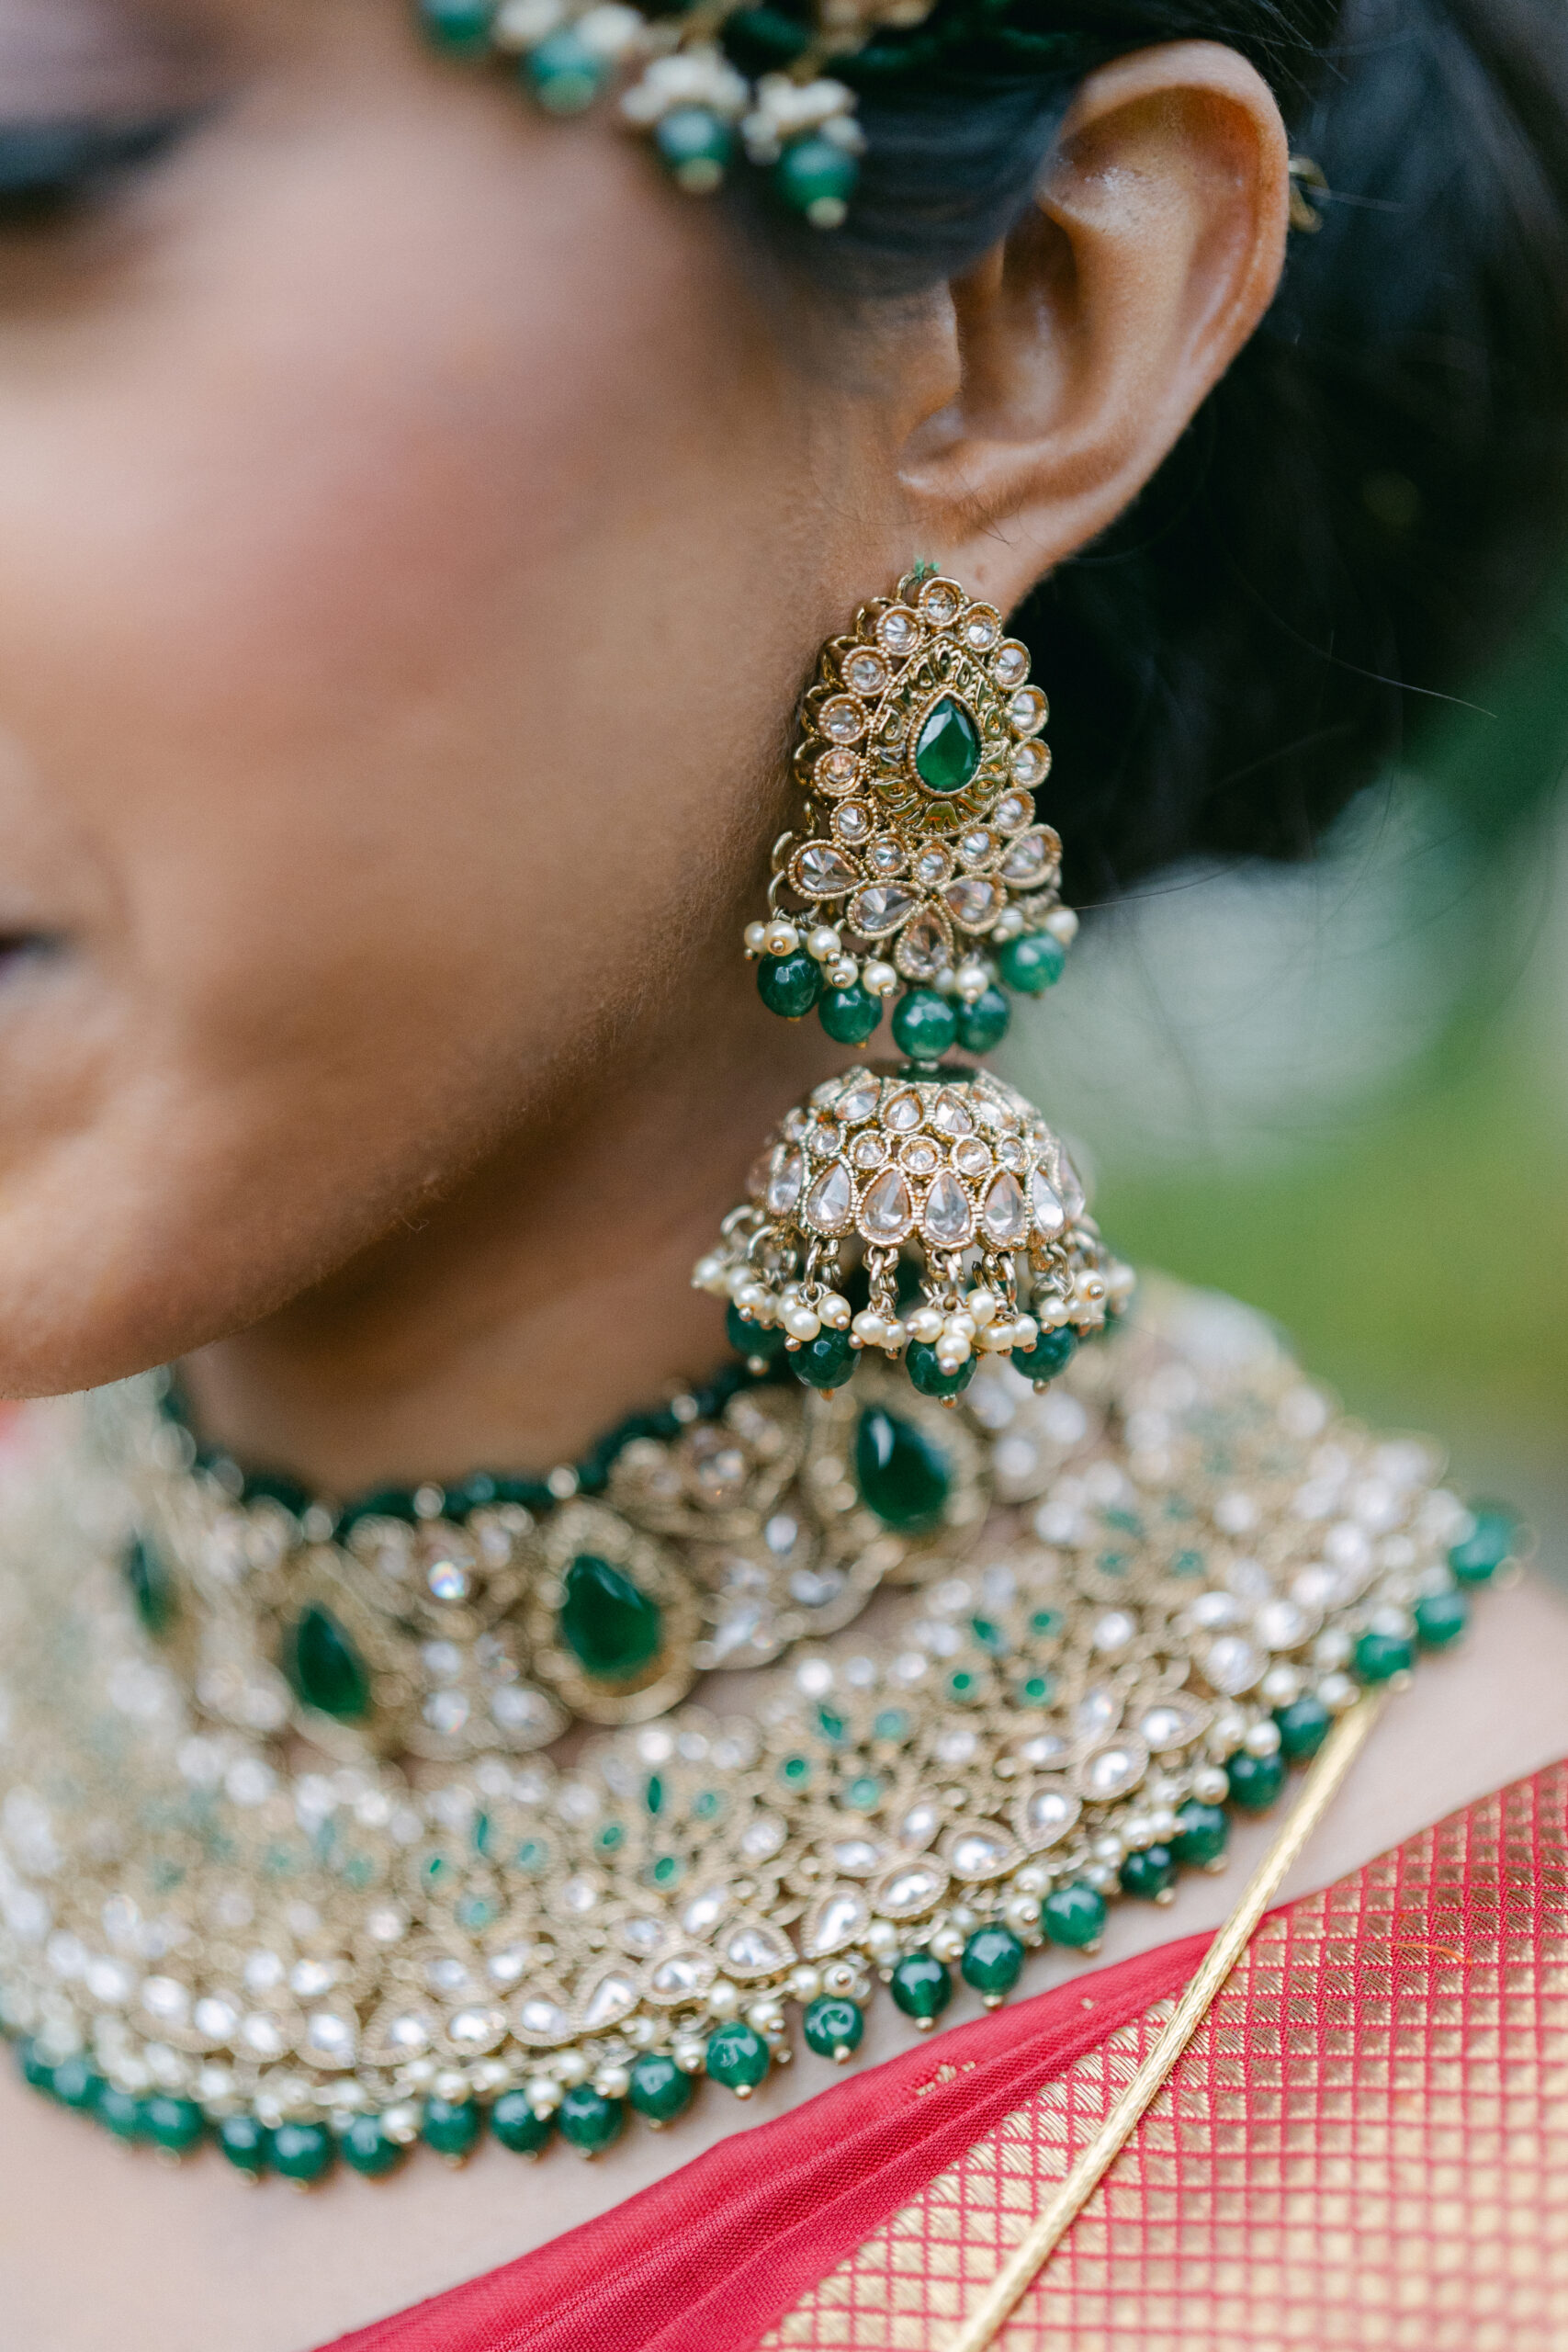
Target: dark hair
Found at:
1377, 490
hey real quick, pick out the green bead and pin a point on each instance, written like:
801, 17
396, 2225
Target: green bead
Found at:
1256, 1781
1202, 1833
460, 27
738, 2057
1052, 1351
451, 2126
921, 1986
176, 2125
1441, 1618
924, 1025
1378, 1656
1032, 964
921, 1363
789, 985
751, 1339
1148, 1872
517, 2127
985, 1023
903, 1476
368, 2148
695, 147
246, 2143
1489, 1544
302, 2151
1073, 1916
122, 2113
826, 1362
77, 2085
660, 2089
849, 1015
833, 2027
948, 749
817, 178
590, 2121
993, 1961
36, 2070
612, 1627
564, 74
153, 1588
325, 1667
1303, 1727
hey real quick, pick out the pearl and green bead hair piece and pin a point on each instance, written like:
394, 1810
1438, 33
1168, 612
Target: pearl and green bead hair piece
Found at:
945, 1175
918, 874
678, 86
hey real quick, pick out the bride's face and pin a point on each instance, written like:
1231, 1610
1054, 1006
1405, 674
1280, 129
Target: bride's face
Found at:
414, 527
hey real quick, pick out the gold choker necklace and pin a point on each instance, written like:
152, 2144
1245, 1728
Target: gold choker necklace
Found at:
281, 1865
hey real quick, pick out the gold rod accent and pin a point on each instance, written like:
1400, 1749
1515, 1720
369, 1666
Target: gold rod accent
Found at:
1032, 2252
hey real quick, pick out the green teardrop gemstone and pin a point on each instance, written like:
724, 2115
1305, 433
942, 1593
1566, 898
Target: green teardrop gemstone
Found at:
151, 1587
324, 1667
902, 1475
609, 1625
948, 747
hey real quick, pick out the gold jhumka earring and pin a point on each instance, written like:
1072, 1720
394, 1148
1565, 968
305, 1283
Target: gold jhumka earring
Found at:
919, 883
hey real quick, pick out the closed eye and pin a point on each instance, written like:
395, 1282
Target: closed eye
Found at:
48, 168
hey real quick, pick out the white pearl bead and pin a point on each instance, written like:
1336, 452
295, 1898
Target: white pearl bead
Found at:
691, 2057
1063, 925
973, 980
947, 1943
800, 1322
611, 2082
805, 1982
1026, 1331
542, 2095
1209, 1784
882, 1940
880, 978
710, 1274
982, 1306
869, 1327
824, 943
925, 1324
1338, 1693
571, 2066
1282, 1685
844, 973
783, 939
961, 1325
1007, 924
1263, 1739
835, 1311
756, 938
724, 1998
952, 1349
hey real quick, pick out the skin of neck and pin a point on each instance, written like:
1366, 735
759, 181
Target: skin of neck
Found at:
504, 1325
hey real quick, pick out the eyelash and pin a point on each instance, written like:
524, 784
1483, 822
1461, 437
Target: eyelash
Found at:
49, 168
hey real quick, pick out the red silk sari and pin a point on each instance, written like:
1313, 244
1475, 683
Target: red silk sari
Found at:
1366, 2144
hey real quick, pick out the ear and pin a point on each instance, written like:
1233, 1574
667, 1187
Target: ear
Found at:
1077, 352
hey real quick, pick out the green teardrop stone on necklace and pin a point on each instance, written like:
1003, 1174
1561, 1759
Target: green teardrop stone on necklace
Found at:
324, 1666
903, 1476
611, 1626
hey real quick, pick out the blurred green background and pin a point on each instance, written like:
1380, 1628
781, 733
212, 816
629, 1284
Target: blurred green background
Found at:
1341, 1091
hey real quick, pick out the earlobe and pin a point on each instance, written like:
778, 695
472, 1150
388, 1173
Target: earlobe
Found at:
1085, 344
